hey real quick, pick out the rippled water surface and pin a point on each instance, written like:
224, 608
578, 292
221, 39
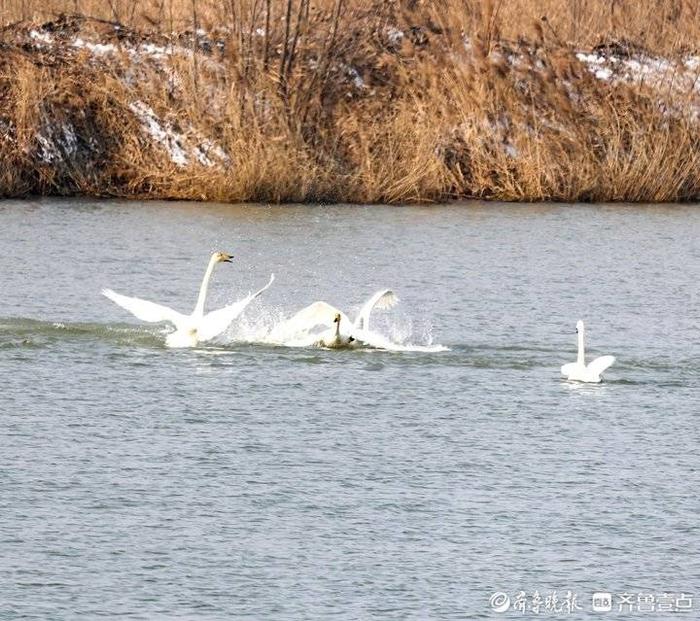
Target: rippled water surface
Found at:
245, 480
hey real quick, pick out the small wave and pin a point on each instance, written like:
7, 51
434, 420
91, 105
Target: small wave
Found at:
20, 332
25, 333
375, 344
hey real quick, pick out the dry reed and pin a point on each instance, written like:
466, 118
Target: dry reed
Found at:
351, 100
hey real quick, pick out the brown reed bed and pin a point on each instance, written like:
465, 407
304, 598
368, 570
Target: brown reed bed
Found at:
356, 101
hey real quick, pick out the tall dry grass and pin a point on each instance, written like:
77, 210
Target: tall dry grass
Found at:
661, 25
275, 83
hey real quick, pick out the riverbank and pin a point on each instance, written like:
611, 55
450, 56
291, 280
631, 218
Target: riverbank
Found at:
383, 102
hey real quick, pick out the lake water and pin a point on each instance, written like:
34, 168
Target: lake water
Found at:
245, 480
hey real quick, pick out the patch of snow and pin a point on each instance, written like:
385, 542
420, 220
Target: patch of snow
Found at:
97, 49
54, 145
160, 52
355, 76
206, 149
163, 133
591, 59
47, 152
44, 37
137, 53
70, 140
655, 72
150, 49
394, 35
179, 148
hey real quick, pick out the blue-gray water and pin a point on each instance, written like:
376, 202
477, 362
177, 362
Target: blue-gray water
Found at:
258, 482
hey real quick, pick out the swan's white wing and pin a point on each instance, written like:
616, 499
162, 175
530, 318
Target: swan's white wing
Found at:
265, 288
306, 320
382, 299
599, 365
144, 310
217, 321
569, 368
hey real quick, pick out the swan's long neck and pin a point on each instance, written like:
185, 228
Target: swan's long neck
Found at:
337, 329
581, 358
199, 307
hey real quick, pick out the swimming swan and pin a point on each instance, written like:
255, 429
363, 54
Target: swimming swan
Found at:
580, 372
197, 327
336, 340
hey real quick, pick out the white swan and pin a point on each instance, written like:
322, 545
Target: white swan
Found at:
336, 340
580, 372
321, 314
197, 327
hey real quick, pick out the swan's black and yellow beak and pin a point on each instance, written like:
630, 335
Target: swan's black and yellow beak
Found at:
228, 258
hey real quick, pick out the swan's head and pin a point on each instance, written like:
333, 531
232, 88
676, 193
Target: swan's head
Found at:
336, 319
579, 326
222, 257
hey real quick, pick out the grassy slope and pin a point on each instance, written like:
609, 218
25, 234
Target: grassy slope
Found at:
342, 100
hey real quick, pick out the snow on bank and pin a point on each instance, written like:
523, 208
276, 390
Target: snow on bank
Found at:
144, 51
143, 59
180, 148
98, 49
681, 77
58, 142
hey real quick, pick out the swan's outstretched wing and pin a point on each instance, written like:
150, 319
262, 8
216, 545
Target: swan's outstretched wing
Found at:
306, 320
314, 315
382, 299
217, 321
599, 365
317, 314
144, 310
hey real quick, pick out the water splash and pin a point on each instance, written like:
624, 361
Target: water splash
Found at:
397, 333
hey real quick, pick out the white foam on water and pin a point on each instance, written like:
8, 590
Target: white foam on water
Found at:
396, 333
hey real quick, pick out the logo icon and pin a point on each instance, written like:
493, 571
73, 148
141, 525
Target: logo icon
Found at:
602, 602
499, 601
